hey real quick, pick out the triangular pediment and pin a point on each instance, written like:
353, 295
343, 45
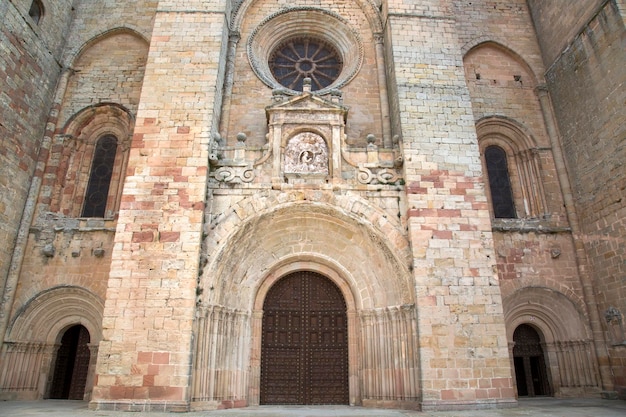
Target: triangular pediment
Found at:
307, 101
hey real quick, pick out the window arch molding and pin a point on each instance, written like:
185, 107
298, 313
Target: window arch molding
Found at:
80, 138
523, 163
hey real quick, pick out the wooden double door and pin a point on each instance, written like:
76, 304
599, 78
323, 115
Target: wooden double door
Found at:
304, 353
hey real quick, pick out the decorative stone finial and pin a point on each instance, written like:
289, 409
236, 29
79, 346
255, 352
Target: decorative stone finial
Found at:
306, 85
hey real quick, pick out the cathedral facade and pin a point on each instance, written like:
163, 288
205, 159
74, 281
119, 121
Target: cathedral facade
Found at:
412, 204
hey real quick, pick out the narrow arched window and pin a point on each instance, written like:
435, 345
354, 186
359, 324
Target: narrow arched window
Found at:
100, 177
36, 11
499, 183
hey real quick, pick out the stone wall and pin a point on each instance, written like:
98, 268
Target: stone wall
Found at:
558, 22
84, 48
207, 220
586, 82
30, 52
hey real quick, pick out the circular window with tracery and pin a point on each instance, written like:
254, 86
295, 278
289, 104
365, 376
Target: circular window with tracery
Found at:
305, 42
299, 58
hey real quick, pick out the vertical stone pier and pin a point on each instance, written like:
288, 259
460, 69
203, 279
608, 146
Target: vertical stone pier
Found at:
144, 360
464, 359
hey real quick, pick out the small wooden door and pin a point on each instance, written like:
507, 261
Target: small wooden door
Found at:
304, 352
72, 365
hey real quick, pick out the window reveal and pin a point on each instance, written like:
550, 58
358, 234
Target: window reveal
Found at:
499, 183
100, 177
36, 11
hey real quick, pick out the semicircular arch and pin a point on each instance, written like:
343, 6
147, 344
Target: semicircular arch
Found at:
555, 315
95, 121
325, 267
368, 8
48, 314
506, 131
501, 45
74, 54
349, 240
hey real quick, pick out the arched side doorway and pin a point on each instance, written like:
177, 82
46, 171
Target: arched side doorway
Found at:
531, 372
304, 348
72, 365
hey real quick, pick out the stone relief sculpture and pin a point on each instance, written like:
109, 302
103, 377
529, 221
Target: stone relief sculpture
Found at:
306, 153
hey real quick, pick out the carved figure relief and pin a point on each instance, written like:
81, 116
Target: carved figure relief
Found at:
306, 153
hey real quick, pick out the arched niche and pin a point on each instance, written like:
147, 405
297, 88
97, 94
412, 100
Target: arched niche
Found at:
495, 63
102, 71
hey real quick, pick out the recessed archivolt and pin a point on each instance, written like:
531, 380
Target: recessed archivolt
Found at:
503, 131
343, 238
47, 315
95, 121
553, 313
368, 7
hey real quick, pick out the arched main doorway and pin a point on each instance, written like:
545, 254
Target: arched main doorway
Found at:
72, 365
304, 347
531, 374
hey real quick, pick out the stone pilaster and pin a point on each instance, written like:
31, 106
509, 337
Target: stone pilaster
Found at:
464, 359
144, 360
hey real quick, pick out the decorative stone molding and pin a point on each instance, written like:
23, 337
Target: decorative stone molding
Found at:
306, 133
234, 169
397, 323
382, 176
234, 174
382, 166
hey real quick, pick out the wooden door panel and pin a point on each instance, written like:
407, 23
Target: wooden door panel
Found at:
304, 353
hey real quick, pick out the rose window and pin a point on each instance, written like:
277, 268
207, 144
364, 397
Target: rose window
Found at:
299, 58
